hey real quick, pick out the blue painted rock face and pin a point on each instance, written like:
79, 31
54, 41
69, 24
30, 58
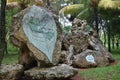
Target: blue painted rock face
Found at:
40, 29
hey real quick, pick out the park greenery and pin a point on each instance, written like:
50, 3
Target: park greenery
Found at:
102, 15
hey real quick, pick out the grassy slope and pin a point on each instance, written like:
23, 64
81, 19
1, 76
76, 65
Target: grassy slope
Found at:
104, 73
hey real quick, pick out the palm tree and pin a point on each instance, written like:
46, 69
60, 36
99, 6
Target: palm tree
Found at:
88, 8
2, 30
109, 4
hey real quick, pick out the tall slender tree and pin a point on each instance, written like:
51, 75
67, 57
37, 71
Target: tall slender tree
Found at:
109, 35
95, 6
2, 29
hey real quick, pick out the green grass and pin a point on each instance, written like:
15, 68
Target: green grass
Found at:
104, 73
10, 58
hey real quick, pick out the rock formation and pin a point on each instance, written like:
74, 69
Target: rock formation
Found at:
37, 34
88, 50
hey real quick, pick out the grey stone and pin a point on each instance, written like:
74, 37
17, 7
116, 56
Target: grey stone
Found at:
10, 72
57, 72
98, 46
95, 59
38, 29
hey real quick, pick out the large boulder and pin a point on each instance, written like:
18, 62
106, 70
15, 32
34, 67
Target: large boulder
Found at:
54, 73
37, 32
11, 72
90, 58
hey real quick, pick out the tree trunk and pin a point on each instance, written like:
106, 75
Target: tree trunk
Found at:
113, 42
96, 20
117, 43
95, 8
74, 1
104, 39
2, 30
109, 34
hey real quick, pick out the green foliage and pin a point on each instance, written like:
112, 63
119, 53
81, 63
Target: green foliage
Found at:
85, 14
12, 56
9, 15
106, 4
11, 48
72, 9
8, 1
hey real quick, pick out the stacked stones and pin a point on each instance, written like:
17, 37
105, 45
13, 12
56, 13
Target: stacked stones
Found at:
88, 50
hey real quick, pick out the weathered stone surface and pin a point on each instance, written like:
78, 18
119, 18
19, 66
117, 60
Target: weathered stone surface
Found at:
54, 73
79, 41
97, 45
63, 57
10, 72
88, 50
26, 58
90, 58
41, 33
40, 29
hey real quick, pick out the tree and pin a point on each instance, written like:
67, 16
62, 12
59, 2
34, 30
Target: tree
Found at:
88, 10
110, 9
2, 30
95, 9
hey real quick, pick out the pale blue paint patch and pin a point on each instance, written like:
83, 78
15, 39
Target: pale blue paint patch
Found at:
90, 58
40, 29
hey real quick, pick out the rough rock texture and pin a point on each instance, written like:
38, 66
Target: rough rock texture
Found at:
87, 51
97, 45
79, 41
10, 72
37, 35
90, 58
54, 73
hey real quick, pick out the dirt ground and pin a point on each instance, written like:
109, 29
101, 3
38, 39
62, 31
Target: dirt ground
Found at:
77, 77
